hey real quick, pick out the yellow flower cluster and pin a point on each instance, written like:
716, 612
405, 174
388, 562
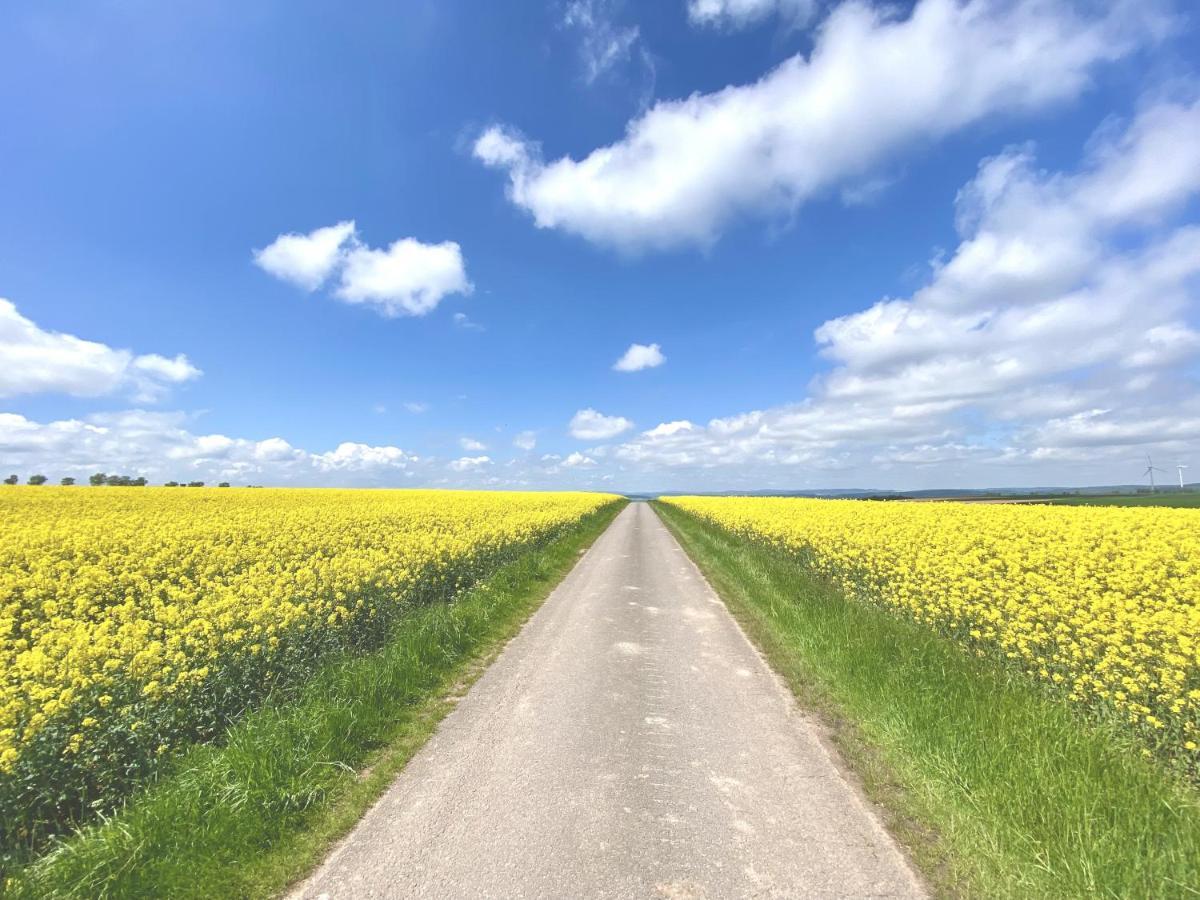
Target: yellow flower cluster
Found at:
117, 603
1103, 602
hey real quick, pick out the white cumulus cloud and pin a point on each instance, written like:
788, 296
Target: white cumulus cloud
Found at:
33, 361
640, 356
352, 456
408, 277
1058, 331
873, 85
161, 446
1039, 285
667, 429
590, 425
273, 450
306, 260
471, 445
741, 13
526, 440
164, 446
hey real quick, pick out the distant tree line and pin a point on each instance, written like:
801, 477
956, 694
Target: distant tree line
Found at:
102, 479
33, 479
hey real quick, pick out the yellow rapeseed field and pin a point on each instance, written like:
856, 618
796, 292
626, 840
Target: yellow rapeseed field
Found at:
140, 617
1102, 602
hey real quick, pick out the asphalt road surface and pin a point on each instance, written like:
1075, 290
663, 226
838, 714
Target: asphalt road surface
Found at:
629, 743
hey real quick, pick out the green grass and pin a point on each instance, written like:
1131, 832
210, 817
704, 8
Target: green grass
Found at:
1189, 500
248, 817
996, 789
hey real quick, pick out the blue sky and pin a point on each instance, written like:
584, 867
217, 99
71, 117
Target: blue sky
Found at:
937, 244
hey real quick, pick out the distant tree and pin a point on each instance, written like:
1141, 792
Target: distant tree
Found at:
11, 479
37, 479
124, 481
67, 482
223, 484
195, 484
171, 484
98, 479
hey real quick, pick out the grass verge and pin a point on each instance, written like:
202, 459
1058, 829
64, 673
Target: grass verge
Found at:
996, 789
247, 817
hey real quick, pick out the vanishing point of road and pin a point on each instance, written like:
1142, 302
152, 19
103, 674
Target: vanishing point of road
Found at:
628, 743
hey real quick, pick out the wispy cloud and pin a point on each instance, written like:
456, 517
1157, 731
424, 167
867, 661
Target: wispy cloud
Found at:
603, 45
462, 320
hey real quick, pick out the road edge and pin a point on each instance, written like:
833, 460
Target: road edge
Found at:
830, 734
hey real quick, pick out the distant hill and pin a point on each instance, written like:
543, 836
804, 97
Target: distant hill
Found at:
934, 493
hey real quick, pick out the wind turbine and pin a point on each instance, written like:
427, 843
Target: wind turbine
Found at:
1180, 467
1150, 470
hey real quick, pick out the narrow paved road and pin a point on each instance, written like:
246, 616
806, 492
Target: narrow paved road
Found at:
628, 743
